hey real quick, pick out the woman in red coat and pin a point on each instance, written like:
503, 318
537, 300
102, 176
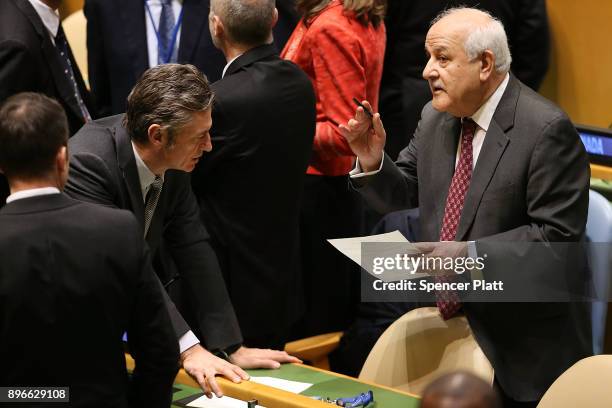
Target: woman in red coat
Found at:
340, 44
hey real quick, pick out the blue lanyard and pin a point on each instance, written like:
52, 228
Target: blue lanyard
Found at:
177, 25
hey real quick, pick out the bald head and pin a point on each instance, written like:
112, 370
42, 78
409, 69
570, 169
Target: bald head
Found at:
459, 390
245, 22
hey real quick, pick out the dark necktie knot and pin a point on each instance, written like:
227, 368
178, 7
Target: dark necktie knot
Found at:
468, 127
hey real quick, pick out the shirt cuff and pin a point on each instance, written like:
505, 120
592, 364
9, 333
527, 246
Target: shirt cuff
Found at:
357, 172
471, 248
475, 274
187, 340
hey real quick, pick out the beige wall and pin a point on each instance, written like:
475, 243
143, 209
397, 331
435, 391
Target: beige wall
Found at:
580, 75
70, 6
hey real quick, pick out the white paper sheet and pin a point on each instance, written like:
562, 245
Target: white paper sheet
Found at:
351, 248
295, 387
223, 402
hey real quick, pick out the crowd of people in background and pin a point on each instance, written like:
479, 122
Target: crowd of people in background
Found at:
221, 133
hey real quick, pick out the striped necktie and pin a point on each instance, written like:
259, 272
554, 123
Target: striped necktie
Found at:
151, 202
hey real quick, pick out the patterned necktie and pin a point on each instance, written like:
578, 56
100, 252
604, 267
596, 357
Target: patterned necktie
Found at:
165, 30
151, 202
448, 301
62, 47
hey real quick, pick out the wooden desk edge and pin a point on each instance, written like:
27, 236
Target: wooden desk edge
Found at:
601, 172
384, 387
247, 390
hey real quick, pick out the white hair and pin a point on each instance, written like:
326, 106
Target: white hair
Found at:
490, 36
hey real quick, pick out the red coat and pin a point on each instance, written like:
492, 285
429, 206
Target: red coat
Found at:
344, 59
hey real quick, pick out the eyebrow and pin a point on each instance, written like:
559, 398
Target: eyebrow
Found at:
437, 48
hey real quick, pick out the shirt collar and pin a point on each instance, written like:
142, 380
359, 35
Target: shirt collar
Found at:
32, 192
484, 114
145, 175
228, 64
49, 17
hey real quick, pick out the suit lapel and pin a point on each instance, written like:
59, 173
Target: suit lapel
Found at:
127, 163
492, 150
444, 162
195, 14
135, 33
493, 147
63, 85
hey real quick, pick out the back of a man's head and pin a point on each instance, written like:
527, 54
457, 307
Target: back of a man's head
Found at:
33, 128
166, 95
459, 390
246, 22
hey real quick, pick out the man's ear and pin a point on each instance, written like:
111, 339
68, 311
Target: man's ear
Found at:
487, 65
61, 158
156, 135
275, 17
62, 166
217, 26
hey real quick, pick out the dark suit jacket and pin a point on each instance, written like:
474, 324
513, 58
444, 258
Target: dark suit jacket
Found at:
403, 91
69, 289
103, 170
29, 62
517, 194
249, 186
117, 45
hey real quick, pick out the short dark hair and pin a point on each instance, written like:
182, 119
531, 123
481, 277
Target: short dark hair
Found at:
33, 128
247, 22
166, 95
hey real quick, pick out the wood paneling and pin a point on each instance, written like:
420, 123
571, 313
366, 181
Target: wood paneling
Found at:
580, 74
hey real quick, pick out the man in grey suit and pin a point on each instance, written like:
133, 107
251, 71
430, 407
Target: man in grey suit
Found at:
479, 168
141, 161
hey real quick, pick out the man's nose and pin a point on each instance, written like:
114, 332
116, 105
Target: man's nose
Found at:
206, 144
429, 71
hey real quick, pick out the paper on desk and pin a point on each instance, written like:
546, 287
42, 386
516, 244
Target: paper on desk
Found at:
214, 402
351, 247
295, 387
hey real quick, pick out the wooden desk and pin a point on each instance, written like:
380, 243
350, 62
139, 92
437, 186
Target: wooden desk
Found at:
325, 383
601, 172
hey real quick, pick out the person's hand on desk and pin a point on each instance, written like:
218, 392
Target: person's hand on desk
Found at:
203, 366
247, 358
366, 137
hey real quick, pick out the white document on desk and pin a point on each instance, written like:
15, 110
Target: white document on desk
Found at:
223, 402
295, 387
351, 248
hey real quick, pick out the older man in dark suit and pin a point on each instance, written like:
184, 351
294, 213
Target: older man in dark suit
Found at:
140, 161
122, 44
263, 128
479, 168
35, 57
69, 289
403, 92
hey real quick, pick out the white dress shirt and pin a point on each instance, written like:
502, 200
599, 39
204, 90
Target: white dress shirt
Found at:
49, 17
146, 177
155, 6
33, 192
